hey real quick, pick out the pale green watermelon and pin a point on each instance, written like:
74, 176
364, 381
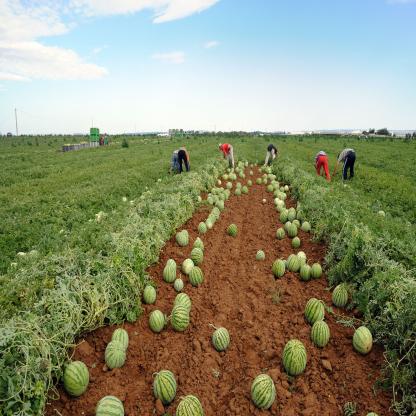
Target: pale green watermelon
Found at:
260, 255
340, 296
316, 271
294, 357
109, 406
178, 285
202, 228
198, 243
197, 256
121, 336
115, 354
196, 277
189, 406
320, 333
314, 310
157, 321
184, 300
362, 340
169, 272
263, 391
187, 266
279, 268
180, 318
164, 386
280, 233
305, 272
291, 214
76, 378
293, 263
283, 216
221, 339
149, 294
292, 230
296, 242
306, 227
232, 230
182, 238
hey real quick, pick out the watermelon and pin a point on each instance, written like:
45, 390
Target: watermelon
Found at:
244, 190
198, 243
189, 406
251, 173
291, 214
305, 272
184, 300
149, 294
306, 227
314, 310
196, 277
287, 225
294, 357
229, 185
109, 406
225, 177
164, 386
260, 255
269, 188
263, 391
249, 182
115, 354
279, 268
297, 223
197, 255
283, 216
302, 256
232, 230
187, 266
372, 414
292, 230
76, 378
362, 340
182, 238
280, 233
169, 272
286, 188
316, 271
121, 336
220, 205
264, 181
293, 263
320, 333
340, 296
237, 192
180, 318
157, 321
209, 223
178, 284
258, 181
202, 228
221, 339
296, 242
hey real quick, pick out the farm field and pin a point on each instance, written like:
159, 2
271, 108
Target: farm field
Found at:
261, 313
43, 295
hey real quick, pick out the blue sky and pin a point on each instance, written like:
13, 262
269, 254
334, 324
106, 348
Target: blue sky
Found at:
151, 65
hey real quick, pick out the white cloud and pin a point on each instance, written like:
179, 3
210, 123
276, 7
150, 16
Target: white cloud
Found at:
99, 49
23, 57
176, 57
165, 10
211, 44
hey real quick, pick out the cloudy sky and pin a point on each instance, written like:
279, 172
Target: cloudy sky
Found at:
151, 65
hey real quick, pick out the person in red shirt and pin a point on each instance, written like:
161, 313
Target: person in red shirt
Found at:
227, 150
321, 161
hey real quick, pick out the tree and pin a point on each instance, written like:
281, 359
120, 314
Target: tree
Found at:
383, 132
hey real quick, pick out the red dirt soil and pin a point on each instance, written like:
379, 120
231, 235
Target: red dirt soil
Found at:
261, 314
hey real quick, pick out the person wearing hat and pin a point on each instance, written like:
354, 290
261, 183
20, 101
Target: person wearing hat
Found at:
348, 157
271, 154
227, 150
321, 162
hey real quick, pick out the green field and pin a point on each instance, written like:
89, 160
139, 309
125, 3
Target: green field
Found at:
49, 201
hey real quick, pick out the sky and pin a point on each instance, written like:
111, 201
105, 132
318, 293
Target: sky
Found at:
152, 65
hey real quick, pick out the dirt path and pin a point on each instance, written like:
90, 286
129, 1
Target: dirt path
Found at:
261, 314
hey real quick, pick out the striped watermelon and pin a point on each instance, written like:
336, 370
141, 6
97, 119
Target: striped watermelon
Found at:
297, 223
189, 406
121, 336
263, 391
115, 354
196, 277
76, 378
244, 190
372, 414
182, 238
320, 333
237, 192
109, 406
291, 214
292, 230
283, 216
293, 263
169, 272
149, 295
187, 266
202, 228
164, 386
305, 272
180, 318
302, 257
157, 321
296, 242
316, 271
280, 234
279, 268
258, 181
249, 183
260, 255
306, 227
197, 256
287, 225
314, 310
221, 339
362, 340
198, 243
184, 300
178, 284
232, 230
229, 185
340, 296
294, 357
209, 223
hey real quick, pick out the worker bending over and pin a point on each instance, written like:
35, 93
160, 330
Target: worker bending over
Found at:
321, 162
348, 157
227, 150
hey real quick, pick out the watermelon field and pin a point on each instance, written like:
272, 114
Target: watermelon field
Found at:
298, 297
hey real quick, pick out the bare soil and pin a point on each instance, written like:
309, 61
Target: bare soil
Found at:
261, 314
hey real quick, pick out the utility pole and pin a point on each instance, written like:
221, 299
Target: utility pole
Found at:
15, 116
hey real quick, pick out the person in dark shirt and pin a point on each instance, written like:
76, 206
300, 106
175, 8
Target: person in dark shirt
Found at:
271, 154
183, 158
348, 157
